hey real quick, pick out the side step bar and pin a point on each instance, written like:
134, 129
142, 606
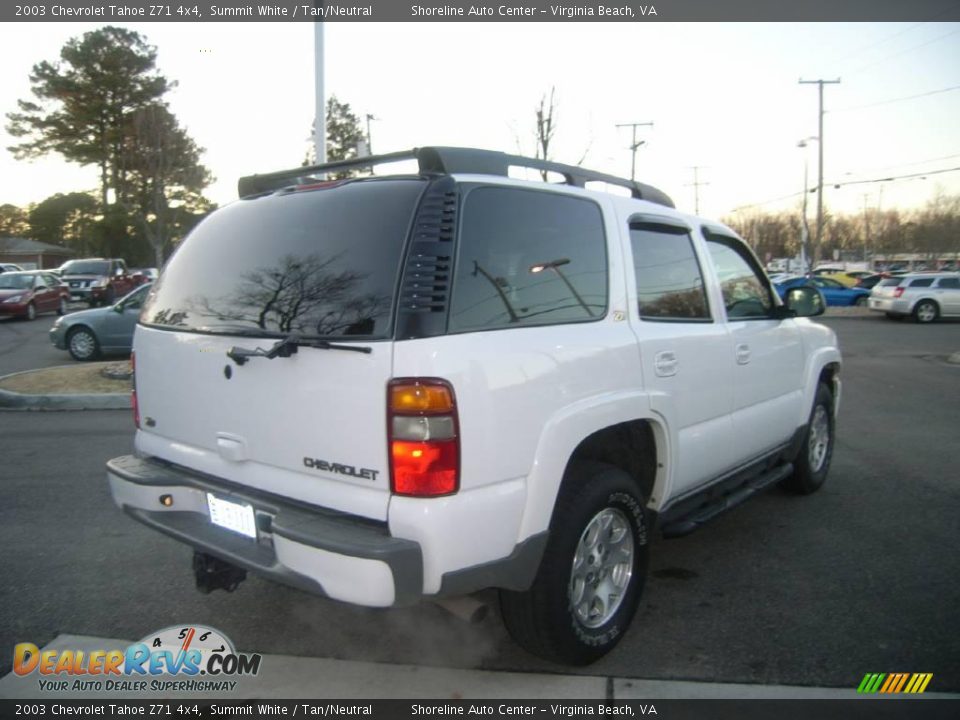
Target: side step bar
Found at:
694, 512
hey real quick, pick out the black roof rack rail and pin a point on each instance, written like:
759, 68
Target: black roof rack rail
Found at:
448, 161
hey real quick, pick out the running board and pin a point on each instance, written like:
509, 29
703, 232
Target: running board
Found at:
694, 512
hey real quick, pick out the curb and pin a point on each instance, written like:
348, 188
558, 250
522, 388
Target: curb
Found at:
64, 401
102, 401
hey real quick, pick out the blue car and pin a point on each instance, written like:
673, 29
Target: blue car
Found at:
835, 293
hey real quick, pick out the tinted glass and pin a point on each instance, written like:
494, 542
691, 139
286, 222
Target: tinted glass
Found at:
86, 267
669, 281
949, 283
321, 262
745, 295
16, 281
528, 258
891, 282
924, 282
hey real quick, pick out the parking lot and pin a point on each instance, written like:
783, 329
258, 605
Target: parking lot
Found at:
863, 576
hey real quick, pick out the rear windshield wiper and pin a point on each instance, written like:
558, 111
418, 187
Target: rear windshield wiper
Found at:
287, 346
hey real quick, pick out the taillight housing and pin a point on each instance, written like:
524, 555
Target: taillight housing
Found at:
134, 405
423, 433
898, 292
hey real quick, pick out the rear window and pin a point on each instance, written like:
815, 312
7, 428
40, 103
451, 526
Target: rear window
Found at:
86, 267
319, 263
891, 282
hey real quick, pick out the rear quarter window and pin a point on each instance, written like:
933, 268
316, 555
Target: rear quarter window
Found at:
922, 282
528, 257
891, 282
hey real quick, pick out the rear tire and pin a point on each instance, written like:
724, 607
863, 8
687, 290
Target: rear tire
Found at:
31, 311
813, 461
926, 311
62, 307
590, 579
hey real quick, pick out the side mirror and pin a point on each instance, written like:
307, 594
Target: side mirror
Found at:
805, 301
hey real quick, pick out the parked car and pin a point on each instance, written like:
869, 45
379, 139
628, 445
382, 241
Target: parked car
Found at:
88, 334
145, 275
834, 293
9, 267
27, 293
97, 281
925, 296
846, 278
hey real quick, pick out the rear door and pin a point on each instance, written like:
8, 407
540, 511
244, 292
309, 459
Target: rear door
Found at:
309, 423
686, 353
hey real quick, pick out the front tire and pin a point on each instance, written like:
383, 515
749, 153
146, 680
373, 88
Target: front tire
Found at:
813, 461
926, 311
82, 344
31, 311
62, 307
590, 579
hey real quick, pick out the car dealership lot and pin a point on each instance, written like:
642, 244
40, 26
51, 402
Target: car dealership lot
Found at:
861, 577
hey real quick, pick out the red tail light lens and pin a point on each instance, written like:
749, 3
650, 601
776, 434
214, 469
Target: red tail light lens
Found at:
133, 393
898, 292
424, 442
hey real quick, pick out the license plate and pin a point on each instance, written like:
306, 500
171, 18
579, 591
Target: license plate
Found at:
233, 516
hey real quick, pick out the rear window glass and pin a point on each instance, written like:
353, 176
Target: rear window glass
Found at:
319, 263
891, 282
86, 267
923, 282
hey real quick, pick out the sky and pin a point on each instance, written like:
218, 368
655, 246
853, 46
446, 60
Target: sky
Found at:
723, 97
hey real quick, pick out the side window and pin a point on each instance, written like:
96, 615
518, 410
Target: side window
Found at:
745, 294
923, 282
528, 257
669, 280
949, 283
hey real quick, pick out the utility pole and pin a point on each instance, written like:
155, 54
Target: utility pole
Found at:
696, 187
634, 145
819, 236
320, 120
370, 139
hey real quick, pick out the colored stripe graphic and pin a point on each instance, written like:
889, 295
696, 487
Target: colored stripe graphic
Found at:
894, 683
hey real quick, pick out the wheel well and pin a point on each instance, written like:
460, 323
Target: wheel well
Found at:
629, 446
828, 376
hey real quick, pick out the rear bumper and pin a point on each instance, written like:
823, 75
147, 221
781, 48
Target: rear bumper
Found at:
890, 305
328, 553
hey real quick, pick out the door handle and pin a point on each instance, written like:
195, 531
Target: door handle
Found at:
665, 363
743, 354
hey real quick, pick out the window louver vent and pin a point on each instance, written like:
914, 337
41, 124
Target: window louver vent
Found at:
425, 288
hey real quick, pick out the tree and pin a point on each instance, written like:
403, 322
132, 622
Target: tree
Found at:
83, 101
343, 137
13, 221
164, 174
65, 220
546, 127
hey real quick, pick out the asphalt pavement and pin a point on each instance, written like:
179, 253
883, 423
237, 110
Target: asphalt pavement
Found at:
785, 592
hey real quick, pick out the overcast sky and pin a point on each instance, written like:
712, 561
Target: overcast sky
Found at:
723, 97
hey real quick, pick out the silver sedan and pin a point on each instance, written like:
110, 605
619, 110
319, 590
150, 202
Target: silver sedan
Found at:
88, 334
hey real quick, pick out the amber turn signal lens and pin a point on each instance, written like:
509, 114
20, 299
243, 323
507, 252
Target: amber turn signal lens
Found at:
418, 398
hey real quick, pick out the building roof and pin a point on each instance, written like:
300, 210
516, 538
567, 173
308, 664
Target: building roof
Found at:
28, 246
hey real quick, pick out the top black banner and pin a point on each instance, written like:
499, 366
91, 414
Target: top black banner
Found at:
619, 11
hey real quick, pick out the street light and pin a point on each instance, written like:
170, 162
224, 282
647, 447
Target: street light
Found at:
805, 231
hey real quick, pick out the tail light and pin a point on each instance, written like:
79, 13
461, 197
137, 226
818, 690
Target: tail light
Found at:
898, 292
423, 436
133, 393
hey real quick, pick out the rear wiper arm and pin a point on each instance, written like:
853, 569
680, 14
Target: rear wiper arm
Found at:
288, 346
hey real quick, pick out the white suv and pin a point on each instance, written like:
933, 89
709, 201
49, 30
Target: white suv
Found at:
395, 387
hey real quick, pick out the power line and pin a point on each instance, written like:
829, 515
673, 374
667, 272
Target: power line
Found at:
905, 51
894, 100
896, 177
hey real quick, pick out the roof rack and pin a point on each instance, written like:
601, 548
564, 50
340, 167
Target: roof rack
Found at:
447, 161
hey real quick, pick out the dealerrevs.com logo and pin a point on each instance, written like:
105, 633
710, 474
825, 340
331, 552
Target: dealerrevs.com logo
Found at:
183, 658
